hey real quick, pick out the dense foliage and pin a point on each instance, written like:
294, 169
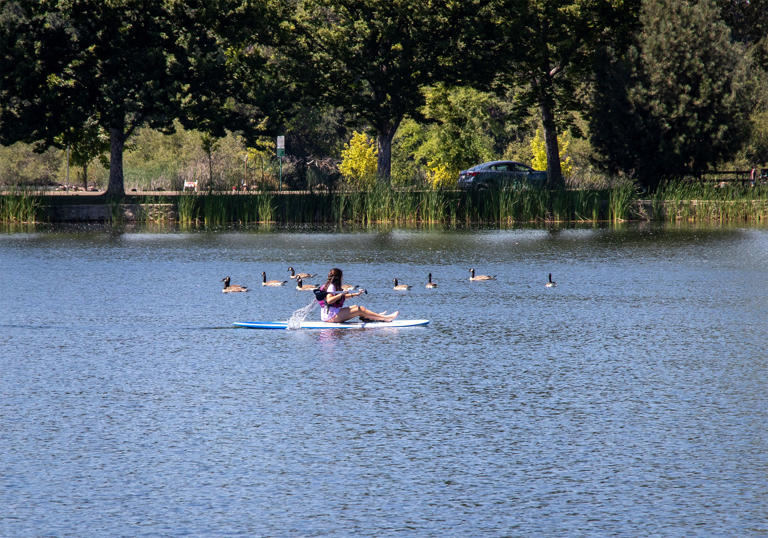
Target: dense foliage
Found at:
684, 93
197, 90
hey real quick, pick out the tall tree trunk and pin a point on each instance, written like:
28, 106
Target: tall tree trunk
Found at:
210, 172
85, 176
384, 136
116, 187
547, 107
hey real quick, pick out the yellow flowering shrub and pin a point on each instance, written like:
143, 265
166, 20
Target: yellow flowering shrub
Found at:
539, 148
440, 176
359, 161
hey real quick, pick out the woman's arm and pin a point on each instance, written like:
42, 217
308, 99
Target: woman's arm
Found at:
330, 299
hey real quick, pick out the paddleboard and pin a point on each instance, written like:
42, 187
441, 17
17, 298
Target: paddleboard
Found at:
327, 325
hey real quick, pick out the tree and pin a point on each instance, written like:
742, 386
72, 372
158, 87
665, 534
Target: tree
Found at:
463, 127
313, 133
372, 58
549, 51
119, 63
747, 19
86, 144
683, 104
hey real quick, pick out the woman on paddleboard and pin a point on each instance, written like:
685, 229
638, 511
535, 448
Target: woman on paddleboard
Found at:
331, 298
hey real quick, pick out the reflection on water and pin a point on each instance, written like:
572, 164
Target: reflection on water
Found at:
627, 400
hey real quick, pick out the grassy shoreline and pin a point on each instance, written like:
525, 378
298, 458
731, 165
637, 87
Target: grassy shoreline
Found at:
672, 202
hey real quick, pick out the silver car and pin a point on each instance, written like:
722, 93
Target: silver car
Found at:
501, 174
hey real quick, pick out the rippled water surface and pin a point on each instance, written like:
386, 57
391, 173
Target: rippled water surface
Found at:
629, 400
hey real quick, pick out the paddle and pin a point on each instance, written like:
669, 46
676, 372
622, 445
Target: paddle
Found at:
320, 295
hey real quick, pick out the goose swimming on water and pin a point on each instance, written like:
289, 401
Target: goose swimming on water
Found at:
294, 274
231, 288
273, 283
551, 283
400, 287
430, 284
474, 278
304, 287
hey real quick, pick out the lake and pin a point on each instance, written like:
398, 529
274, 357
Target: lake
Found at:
628, 400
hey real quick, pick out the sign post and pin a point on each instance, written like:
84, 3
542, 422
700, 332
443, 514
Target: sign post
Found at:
280, 155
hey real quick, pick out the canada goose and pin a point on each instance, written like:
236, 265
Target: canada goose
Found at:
550, 284
479, 277
400, 287
304, 287
231, 289
430, 284
349, 287
294, 274
265, 282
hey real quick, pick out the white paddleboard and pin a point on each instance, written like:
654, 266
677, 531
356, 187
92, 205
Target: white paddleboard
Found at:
327, 325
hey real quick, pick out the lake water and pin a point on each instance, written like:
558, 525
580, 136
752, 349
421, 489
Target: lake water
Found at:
629, 400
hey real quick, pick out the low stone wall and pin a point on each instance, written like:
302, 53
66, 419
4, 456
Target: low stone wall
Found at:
108, 212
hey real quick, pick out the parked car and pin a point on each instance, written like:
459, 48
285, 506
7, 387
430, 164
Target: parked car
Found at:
500, 174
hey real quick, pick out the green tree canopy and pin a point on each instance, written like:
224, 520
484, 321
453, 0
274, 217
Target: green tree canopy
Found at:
465, 127
548, 49
119, 63
683, 104
373, 58
747, 19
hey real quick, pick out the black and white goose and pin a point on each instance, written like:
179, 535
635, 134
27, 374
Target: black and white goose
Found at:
304, 287
400, 287
294, 274
231, 288
273, 283
476, 278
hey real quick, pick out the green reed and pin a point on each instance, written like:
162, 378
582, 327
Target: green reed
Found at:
187, 209
384, 205
433, 206
265, 208
215, 210
680, 200
21, 207
586, 205
710, 202
620, 200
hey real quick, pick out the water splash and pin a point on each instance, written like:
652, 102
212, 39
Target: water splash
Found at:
294, 322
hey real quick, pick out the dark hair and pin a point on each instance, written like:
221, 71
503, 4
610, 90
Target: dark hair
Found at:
334, 277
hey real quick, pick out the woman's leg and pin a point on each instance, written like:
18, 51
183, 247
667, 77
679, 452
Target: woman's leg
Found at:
356, 310
363, 312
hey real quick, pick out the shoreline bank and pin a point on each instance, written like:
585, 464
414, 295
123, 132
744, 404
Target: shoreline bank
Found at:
367, 208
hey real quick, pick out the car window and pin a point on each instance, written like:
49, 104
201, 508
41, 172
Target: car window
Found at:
521, 168
502, 167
